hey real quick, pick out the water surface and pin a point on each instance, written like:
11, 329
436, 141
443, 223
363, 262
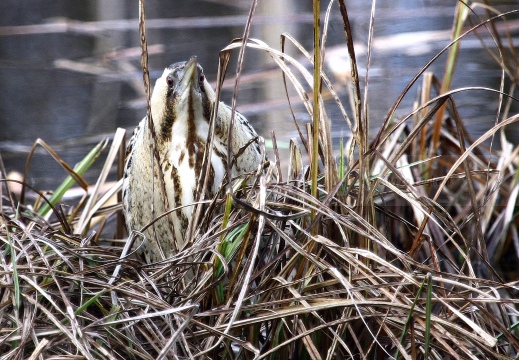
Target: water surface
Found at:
70, 71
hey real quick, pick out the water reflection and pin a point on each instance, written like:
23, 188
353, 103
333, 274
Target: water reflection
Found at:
68, 81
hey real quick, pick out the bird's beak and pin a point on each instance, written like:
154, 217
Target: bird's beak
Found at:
189, 78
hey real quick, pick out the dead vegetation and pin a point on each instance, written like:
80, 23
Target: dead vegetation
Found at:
399, 252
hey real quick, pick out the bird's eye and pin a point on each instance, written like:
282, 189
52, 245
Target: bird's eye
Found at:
202, 78
169, 81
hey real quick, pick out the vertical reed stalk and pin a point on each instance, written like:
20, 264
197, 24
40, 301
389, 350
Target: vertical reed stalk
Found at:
316, 112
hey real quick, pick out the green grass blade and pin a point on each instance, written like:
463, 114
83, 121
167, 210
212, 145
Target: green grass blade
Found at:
80, 169
410, 317
428, 310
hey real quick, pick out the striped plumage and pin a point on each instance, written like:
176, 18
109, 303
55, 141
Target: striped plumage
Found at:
181, 106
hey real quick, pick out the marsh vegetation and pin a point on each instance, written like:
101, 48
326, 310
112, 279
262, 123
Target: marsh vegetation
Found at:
401, 244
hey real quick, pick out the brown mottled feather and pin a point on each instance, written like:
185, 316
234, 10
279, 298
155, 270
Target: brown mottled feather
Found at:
181, 106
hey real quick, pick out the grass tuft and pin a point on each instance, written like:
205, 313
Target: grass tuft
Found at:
399, 248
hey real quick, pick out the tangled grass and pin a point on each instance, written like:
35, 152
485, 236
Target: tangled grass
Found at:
400, 252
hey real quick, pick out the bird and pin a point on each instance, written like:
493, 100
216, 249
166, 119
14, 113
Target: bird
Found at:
163, 162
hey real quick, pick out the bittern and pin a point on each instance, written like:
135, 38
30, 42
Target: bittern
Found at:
165, 176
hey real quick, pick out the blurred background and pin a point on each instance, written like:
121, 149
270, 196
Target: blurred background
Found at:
70, 70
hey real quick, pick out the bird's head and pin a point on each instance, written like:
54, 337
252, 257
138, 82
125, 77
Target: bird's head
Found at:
181, 92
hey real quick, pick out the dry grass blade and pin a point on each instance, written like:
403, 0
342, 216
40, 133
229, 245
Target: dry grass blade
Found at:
90, 208
405, 255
